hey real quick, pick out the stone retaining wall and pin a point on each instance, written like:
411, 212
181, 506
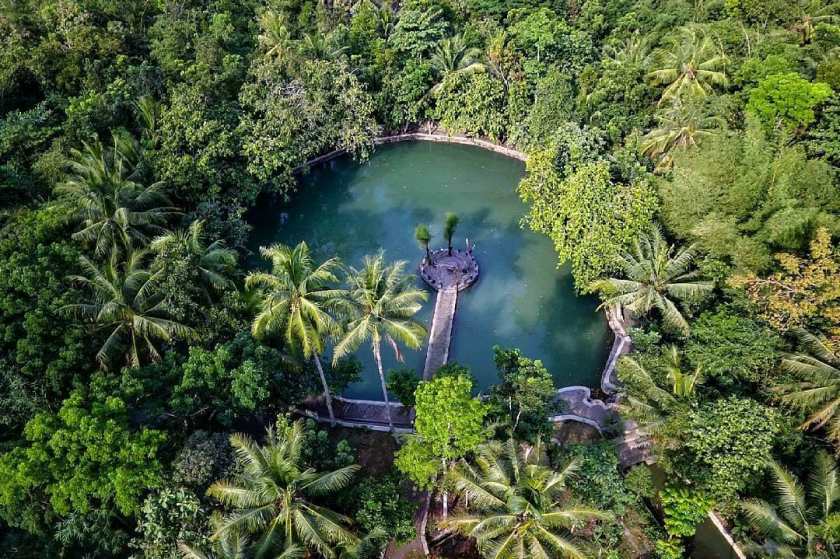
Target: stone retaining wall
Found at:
422, 137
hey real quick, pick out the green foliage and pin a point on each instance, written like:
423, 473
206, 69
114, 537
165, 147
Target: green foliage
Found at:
740, 197
403, 383
41, 349
726, 444
824, 136
684, 510
379, 503
787, 100
84, 458
597, 481
669, 549
204, 458
590, 218
448, 424
732, 348
507, 479
525, 395
321, 452
472, 104
277, 481
639, 481
324, 107
169, 517
234, 379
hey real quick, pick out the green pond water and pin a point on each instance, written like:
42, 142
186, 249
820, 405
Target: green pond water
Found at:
521, 299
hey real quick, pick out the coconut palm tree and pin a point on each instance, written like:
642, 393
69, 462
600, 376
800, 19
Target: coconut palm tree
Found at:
516, 502
634, 52
274, 39
379, 305
215, 262
295, 300
230, 545
654, 275
652, 400
116, 211
124, 301
802, 523
423, 236
273, 497
817, 390
450, 223
680, 127
452, 56
689, 65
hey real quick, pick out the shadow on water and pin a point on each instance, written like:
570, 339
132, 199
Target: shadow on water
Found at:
521, 299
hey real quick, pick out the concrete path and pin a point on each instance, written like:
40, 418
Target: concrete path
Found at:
440, 335
361, 413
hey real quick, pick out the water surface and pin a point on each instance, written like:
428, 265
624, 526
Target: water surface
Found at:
520, 300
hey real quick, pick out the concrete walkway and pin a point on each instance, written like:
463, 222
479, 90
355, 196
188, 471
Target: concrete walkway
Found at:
440, 334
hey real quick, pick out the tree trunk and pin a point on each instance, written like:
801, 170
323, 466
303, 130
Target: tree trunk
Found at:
429, 256
444, 492
327, 396
377, 355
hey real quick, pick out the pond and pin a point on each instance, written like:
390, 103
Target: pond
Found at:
521, 299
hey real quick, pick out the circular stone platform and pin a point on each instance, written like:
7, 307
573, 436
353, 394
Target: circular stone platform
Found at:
458, 271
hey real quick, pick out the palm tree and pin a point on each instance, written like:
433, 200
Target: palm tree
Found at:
649, 401
273, 496
126, 302
423, 236
450, 223
689, 66
802, 524
680, 127
811, 14
116, 211
229, 545
452, 56
634, 52
295, 301
655, 275
517, 503
817, 390
379, 305
215, 262
274, 38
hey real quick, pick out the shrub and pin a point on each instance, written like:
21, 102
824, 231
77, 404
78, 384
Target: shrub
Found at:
380, 504
169, 516
684, 509
402, 383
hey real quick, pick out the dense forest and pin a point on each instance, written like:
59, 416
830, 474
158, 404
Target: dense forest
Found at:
682, 156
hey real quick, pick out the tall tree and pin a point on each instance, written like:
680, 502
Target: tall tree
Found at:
654, 275
379, 305
295, 301
273, 496
801, 523
449, 423
519, 504
689, 65
125, 301
104, 193
817, 388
